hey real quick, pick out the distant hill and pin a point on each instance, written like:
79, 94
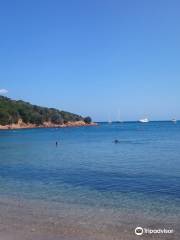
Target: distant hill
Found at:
12, 111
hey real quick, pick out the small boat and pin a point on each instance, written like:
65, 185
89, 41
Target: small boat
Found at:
120, 121
144, 120
109, 121
174, 120
119, 118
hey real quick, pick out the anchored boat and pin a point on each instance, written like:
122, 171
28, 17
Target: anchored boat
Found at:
144, 120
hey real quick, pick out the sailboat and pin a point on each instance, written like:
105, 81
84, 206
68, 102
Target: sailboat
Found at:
109, 121
119, 118
174, 120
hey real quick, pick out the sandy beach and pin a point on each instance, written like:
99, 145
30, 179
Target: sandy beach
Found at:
40, 220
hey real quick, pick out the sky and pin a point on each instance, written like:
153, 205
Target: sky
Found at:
109, 59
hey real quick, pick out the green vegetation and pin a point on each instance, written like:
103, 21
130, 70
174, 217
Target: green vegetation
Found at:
87, 120
12, 111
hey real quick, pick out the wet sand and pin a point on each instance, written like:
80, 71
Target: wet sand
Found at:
38, 220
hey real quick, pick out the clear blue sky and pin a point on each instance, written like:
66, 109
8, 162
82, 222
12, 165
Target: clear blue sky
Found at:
93, 57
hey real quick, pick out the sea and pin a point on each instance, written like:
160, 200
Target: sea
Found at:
87, 186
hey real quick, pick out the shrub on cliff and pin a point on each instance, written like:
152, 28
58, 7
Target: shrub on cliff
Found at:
87, 120
11, 111
57, 119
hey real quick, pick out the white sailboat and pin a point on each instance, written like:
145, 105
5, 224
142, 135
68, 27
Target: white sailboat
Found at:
119, 118
174, 120
109, 121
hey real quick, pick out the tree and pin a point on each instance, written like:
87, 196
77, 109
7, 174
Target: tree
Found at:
57, 119
11, 111
87, 120
36, 118
4, 117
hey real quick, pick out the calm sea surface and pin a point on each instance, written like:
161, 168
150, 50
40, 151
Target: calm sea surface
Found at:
141, 174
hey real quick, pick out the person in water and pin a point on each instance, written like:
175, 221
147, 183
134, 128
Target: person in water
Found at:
116, 141
56, 143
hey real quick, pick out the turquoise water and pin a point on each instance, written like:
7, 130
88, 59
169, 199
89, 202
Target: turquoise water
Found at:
140, 173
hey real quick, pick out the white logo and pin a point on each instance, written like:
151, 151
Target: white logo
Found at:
139, 231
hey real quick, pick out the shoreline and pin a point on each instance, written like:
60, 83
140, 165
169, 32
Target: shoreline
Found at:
22, 125
37, 219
